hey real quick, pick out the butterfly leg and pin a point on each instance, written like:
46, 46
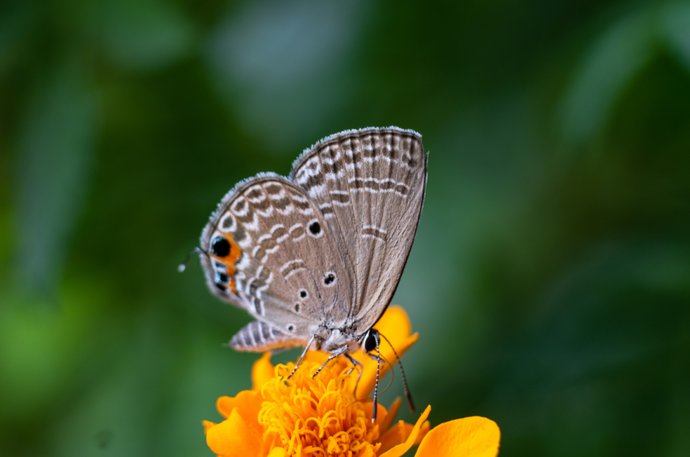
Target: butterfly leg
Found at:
356, 364
338, 352
301, 357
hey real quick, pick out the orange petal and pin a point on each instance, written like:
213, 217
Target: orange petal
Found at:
207, 425
387, 418
233, 437
400, 449
246, 402
395, 324
470, 436
384, 416
368, 452
262, 371
315, 356
225, 405
399, 433
277, 452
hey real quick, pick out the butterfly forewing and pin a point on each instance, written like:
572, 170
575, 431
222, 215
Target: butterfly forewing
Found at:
369, 185
270, 250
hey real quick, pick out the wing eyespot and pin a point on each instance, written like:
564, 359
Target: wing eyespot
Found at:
329, 279
220, 246
315, 229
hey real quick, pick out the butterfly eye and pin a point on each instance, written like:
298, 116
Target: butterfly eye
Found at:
220, 246
371, 340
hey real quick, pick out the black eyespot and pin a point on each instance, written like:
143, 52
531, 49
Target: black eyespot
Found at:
297, 307
291, 328
221, 278
371, 340
329, 279
315, 228
303, 293
220, 246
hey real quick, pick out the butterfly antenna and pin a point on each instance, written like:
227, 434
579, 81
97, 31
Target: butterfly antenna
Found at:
385, 361
378, 376
183, 266
391, 380
406, 388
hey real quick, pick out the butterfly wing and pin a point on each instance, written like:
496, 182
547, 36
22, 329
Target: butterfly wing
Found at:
269, 250
369, 184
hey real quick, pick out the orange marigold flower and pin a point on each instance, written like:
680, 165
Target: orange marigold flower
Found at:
324, 416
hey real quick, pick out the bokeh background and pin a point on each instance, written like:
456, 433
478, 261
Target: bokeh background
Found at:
550, 279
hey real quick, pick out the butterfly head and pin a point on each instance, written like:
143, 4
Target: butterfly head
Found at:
335, 340
370, 340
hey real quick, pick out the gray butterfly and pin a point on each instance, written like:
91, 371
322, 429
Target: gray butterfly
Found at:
315, 257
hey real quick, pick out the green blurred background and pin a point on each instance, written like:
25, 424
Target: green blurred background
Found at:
550, 279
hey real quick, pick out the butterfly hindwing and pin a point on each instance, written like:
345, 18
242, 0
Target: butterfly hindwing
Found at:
258, 336
270, 251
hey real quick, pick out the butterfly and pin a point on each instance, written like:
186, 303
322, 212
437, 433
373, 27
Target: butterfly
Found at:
315, 257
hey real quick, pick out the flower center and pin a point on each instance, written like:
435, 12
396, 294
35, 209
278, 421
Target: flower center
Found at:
318, 416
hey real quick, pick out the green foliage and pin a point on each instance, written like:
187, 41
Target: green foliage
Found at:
550, 280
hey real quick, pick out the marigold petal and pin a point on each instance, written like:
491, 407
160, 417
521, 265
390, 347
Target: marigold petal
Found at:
387, 419
397, 434
262, 371
395, 324
470, 436
224, 405
207, 425
315, 356
246, 402
277, 452
233, 437
368, 452
400, 449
